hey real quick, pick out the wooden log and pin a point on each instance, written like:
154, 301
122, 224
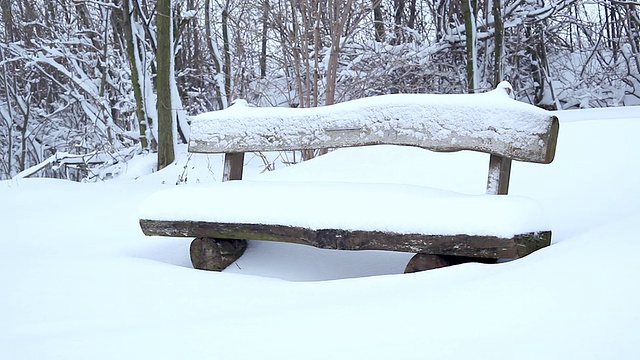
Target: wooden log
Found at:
478, 246
552, 140
233, 166
499, 175
422, 262
215, 254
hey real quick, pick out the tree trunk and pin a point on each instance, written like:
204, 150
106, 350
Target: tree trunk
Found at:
537, 54
316, 58
498, 39
411, 24
305, 43
7, 116
5, 7
7, 68
83, 13
165, 117
23, 137
263, 45
468, 11
295, 53
398, 6
127, 14
378, 21
215, 56
226, 68
338, 18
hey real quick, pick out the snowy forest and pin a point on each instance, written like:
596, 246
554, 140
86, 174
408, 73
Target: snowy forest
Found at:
81, 80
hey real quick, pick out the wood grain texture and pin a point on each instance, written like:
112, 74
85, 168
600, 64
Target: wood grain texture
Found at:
499, 175
478, 246
233, 166
215, 254
422, 262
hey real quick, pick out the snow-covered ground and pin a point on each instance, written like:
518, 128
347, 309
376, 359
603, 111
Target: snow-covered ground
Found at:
79, 280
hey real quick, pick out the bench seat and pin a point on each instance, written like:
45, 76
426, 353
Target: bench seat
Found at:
351, 216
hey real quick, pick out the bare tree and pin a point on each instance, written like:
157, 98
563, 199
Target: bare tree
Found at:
166, 128
378, 20
139, 76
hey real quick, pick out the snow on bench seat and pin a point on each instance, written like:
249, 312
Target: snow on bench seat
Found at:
344, 208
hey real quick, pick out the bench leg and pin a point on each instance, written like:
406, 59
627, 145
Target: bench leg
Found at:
215, 254
422, 262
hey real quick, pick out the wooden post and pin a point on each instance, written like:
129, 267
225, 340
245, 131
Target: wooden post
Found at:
499, 174
233, 163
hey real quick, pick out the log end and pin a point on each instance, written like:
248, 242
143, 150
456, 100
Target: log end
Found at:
215, 254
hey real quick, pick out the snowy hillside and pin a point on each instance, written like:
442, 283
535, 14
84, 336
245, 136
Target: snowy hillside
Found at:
79, 280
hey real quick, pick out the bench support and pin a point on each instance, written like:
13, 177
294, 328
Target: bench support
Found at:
499, 174
215, 254
233, 163
422, 262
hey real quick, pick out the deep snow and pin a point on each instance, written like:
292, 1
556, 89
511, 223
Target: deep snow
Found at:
80, 281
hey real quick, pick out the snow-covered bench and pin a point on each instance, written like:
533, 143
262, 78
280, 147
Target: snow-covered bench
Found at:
362, 216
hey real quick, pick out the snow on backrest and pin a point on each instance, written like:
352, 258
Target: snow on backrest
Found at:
491, 122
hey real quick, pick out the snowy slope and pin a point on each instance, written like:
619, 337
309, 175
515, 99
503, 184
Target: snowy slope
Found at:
80, 281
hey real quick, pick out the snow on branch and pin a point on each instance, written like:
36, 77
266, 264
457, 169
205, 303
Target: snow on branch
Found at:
63, 158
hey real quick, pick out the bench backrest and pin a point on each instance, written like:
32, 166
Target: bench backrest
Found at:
491, 122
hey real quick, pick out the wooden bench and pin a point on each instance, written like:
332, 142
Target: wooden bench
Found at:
491, 123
